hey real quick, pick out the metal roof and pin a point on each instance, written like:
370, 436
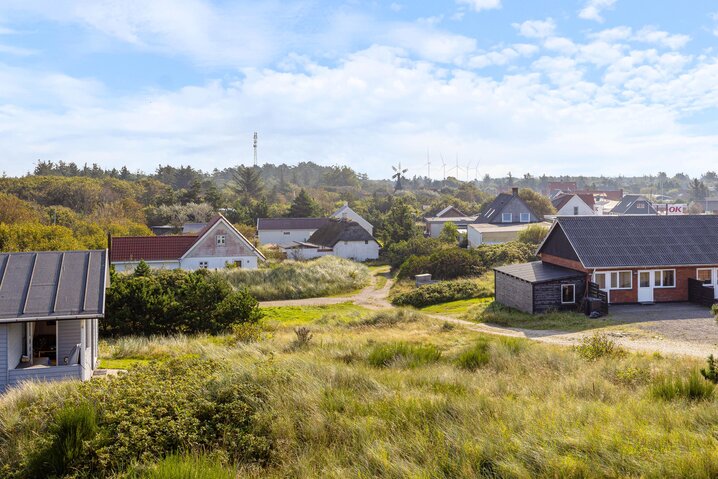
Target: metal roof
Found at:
52, 285
638, 241
538, 272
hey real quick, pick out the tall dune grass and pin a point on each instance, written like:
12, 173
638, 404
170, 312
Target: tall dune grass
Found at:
325, 276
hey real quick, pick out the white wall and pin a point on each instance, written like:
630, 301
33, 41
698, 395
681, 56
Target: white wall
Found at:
346, 212
357, 250
474, 237
568, 208
213, 262
306, 253
279, 238
131, 265
14, 344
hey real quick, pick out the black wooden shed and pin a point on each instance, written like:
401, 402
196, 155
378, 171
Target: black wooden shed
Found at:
538, 287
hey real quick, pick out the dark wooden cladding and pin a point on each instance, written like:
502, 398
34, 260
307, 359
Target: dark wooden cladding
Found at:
700, 294
557, 244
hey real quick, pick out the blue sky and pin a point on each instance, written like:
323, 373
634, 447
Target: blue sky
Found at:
557, 86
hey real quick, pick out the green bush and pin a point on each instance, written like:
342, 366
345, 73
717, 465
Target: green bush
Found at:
597, 346
447, 263
711, 372
533, 235
186, 467
715, 311
475, 356
73, 427
396, 253
387, 318
300, 279
403, 355
693, 388
171, 302
442, 292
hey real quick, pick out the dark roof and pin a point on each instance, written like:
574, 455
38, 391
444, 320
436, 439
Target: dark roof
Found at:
566, 186
150, 248
642, 241
52, 285
339, 230
450, 211
613, 195
538, 272
627, 203
494, 209
291, 223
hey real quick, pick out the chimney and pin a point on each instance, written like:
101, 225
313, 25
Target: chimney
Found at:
515, 191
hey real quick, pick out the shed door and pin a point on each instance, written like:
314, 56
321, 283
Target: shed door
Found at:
645, 286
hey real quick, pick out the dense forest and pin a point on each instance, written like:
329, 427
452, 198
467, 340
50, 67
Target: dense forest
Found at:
65, 206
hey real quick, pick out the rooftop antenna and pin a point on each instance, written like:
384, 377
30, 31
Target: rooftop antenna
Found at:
255, 148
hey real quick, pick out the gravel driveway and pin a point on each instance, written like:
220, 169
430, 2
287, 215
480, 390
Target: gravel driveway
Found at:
672, 321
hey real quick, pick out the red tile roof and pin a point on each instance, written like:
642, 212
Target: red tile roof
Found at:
150, 248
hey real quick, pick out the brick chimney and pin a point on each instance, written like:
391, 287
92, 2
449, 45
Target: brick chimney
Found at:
515, 191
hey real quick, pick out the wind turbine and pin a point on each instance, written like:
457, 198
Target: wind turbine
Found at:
443, 163
468, 167
428, 165
399, 173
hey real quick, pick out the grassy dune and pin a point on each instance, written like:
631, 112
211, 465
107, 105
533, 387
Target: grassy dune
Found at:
397, 394
325, 276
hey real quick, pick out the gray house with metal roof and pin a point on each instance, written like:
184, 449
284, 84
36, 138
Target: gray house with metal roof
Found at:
634, 205
50, 304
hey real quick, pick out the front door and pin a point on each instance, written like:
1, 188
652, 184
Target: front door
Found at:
645, 286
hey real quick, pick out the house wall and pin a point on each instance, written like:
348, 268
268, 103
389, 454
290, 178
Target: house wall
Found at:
513, 292
516, 206
131, 265
559, 261
213, 262
207, 247
51, 373
354, 216
279, 238
473, 237
357, 250
15, 333
3, 357
68, 336
660, 295
307, 253
434, 229
575, 201
547, 296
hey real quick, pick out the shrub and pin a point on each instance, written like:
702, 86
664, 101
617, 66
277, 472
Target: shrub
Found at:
73, 427
447, 263
171, 302
247, 332
403, 354
711, 373
693, 388
387, 318
441, 292
715, 311
303, 336
396, 253
597, 346
533, 235
475, 356
300, 279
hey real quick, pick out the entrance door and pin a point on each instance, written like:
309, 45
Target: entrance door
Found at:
645, 286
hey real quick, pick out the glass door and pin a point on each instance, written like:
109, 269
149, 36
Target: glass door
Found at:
645, 286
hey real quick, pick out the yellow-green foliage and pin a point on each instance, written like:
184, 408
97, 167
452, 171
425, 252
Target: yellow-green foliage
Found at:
479, 406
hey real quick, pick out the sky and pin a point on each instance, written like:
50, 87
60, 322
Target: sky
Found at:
572, 87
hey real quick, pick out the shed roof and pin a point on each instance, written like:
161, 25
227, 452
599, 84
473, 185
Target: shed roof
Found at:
339, 230
641, 241
52, 285
291, 223
538, 272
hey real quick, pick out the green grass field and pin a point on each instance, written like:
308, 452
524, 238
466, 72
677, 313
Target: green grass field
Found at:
391, 394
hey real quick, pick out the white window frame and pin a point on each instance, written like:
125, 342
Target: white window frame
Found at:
573, 289
658, 273
712, 272
524, 215
221, 240
505, 215
609, 282
204, 265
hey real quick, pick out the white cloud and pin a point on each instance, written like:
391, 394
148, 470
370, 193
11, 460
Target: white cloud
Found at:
396, 7
653, 35
593, 8
16, 51
430, 43
479, 5
536, 28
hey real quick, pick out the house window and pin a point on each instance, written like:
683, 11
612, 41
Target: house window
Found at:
705, 276
507, 217
238, 263
575, 211
203, 265
665, 278
641, 206
568, 294
525, 217
221, 240
366, 241
614, 280
286, 233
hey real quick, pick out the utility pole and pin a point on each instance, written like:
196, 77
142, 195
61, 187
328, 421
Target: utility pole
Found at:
255, 148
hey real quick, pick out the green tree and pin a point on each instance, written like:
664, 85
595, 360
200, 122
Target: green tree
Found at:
533, 234
248, 182
303, 206
538, 203
698, 189
399, 223
450, 233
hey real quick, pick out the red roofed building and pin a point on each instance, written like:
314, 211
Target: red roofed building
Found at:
216, 245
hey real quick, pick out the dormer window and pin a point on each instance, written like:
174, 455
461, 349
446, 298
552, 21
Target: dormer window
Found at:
221, 240
507, 217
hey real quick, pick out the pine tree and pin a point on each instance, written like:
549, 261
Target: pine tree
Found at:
303, 206
248, 182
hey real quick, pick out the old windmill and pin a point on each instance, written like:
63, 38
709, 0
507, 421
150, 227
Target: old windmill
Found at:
398, 175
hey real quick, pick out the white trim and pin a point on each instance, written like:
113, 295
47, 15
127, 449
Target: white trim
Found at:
521, 217
222, 219
662, 286
503, 217
609, 283
573, 289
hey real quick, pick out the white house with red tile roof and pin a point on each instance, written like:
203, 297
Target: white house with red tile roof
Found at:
214, 247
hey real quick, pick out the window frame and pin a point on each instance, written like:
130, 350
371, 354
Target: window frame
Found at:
573, 289
204, 265
710, 271
220, 240
509, 215
658, 273
609, 279
521, 217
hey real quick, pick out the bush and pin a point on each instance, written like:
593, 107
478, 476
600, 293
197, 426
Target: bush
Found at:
403, 355
693, 388
533, 235
303, 337
597, 346
710, 373
387, 318
447, 263
715, 311
442, 292
171, 302
396, 253
300, 279
475, 356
